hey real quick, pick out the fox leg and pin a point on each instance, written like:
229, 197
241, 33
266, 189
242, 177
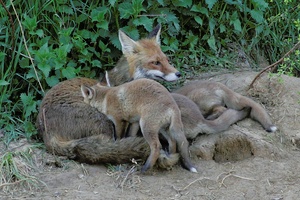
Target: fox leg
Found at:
171, 141
176, 132
151, 136
120, 127
133, 129
215, 112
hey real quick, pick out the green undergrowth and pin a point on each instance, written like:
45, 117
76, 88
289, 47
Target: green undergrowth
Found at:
73, 38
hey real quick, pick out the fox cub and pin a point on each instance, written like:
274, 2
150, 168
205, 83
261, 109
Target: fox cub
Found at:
148, 103
214, 98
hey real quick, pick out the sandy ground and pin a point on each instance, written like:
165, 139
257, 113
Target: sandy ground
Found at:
252, 164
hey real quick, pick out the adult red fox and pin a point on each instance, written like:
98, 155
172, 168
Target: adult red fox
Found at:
214, 98
142, 59
151, 105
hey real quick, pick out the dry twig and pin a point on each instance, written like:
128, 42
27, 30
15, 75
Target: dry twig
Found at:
274, 64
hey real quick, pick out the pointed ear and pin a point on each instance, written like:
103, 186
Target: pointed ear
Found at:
127, 43
104, 79
87, 92
156, 33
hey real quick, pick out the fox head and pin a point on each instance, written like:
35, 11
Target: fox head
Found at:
145, 58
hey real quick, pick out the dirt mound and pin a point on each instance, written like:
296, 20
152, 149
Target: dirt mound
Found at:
244, 162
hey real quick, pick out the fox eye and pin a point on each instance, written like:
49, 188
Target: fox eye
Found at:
156, 63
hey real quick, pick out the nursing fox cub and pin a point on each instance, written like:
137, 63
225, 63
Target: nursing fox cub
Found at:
147, 103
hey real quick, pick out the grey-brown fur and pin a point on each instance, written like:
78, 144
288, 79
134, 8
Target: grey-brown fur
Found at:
212, 98
70, 127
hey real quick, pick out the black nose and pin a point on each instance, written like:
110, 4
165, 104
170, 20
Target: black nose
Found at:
178, 74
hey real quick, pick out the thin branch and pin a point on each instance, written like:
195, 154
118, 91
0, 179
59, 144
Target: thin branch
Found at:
274, 64
26, 47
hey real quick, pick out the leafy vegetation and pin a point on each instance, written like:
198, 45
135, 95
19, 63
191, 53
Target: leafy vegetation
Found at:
73, 38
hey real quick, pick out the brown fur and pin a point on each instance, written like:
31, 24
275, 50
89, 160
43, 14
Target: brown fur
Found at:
194, 123
148, 103
72, 128
213, 98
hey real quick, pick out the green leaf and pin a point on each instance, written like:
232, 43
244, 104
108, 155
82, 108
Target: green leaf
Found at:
96, 63
237, 25
161, 2
138, 6
144, 21
212, 25
29, 104
257, 15
212, 43
210, 3
112, 2
3, 82
30, 23
39, 33
182, 3
69, 72
102, 25
198, 20
98, 14
81, 18
114, 39
2, 55
200, 9
52, 81
125, 10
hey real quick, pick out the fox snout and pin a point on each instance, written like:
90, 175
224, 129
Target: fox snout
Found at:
159, 75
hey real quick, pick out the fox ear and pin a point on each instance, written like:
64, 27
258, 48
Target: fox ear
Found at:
127, 43
156, 33
87, 92
104, 80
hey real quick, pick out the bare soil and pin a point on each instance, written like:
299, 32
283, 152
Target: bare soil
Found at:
244, 162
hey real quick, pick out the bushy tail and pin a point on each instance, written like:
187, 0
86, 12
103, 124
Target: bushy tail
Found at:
120, 151
100, 149
226, 119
